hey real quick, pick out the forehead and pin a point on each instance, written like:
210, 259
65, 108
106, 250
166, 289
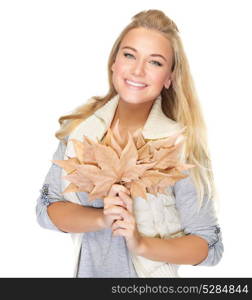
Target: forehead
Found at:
147, 41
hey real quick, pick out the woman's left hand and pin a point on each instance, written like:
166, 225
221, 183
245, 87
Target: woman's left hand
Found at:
127, 227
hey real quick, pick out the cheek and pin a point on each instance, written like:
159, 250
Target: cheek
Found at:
119, 67
117, 73
159, 78
118, 70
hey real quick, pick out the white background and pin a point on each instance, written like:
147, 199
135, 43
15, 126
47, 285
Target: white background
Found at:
53, 57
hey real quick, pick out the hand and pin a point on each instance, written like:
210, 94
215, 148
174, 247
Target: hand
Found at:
112, 206
127, 226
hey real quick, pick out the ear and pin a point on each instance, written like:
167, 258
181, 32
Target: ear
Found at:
169, 80
167, 83
113, 67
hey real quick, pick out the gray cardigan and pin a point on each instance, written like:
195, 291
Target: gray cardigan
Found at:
103, 255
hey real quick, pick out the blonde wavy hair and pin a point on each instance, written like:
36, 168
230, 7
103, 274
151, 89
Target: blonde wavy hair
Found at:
180, 102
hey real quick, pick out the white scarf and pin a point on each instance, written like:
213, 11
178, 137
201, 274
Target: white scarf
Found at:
156, 216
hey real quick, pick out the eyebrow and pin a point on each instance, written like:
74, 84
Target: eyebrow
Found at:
154, 55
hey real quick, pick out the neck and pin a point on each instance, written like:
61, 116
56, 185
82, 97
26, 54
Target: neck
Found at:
132, 116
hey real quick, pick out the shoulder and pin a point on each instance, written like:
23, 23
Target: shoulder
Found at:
184, 183
61, 148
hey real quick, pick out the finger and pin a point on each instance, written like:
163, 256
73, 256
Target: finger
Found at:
119, 224
119, 218
116, 188
120, 232
109, 201
127, 200
119, 211
115, 210
115, 217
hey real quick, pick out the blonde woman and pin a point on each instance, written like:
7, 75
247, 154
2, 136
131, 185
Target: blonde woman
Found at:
150, 88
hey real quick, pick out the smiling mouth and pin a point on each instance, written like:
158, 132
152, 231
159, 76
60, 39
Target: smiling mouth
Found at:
135, 85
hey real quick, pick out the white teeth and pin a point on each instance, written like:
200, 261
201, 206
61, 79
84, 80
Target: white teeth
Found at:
134, 83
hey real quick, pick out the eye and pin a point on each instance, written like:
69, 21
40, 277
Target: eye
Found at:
128, 55
157, 63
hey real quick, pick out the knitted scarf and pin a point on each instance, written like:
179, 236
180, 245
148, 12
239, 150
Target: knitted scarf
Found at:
155, 217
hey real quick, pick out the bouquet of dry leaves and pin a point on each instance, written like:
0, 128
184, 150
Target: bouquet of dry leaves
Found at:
142, 167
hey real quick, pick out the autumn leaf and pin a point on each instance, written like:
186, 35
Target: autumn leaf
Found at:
138, 189
141, 166
68, 165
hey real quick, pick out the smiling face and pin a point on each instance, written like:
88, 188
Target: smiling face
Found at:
142, 66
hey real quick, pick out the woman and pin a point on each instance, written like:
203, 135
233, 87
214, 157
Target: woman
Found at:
150, 88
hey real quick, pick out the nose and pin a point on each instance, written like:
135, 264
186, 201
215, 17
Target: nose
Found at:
138, 68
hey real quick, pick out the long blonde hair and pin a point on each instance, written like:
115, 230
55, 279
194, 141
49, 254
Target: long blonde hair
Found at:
180, 102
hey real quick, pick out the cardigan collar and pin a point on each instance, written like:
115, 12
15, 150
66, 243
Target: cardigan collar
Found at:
157, 125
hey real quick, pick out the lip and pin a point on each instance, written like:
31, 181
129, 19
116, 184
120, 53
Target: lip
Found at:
135, 87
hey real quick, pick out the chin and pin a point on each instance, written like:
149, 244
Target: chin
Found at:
133, 99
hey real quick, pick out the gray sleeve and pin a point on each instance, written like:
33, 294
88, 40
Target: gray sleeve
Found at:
203, 222
51, 190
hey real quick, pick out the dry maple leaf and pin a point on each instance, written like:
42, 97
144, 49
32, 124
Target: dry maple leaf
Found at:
138, 165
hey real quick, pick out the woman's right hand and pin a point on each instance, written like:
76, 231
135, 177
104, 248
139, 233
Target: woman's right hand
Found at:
113, 205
